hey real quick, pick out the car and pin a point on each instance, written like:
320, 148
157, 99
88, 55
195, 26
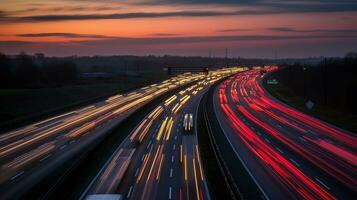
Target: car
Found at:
188, 122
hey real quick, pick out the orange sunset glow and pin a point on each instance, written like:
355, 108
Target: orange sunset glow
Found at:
248, 28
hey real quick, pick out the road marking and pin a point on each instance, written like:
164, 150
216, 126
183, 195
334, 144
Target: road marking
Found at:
170, 190
137, 171
64, 146
142, 158
17, 175
267, 140
252, 128
294, 162
172, 158
302, 139
171, 173
278, 126
281, 151
147, 146
323, 183
175, 137
258, 133
71, 142
174, 147
45, 157
128, 195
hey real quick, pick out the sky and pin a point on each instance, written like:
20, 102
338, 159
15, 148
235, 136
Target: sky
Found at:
247, 28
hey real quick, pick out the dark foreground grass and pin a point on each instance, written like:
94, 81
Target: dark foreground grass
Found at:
331, 115
22, 106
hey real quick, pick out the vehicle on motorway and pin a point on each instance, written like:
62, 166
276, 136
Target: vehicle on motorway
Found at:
188, 122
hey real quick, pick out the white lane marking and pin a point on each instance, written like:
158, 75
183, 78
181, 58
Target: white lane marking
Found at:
171, 173
137, 172
129, 193
147, 146
252, 128
71, 142
64, 146
323, 183
258, 133
175, 137
278, 126
172, 158
170, 190
45, 157
174, 147
267, 140
281, 151
292, 160
17, 175
142, 158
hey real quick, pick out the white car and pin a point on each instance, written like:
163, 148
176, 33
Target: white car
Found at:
188, 122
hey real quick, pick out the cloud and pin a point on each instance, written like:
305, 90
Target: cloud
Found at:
201, 39
164, 34
44, 18
257, 8
65, 35
234, 30
299, 6
288, 29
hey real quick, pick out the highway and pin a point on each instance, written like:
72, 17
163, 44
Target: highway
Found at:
288, 154
28, 153
285, 153
159, 159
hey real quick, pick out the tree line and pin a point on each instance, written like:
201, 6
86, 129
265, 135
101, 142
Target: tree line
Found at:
22, 71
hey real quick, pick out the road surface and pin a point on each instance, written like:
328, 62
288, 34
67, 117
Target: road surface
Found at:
159, 159
31, 152
289, 155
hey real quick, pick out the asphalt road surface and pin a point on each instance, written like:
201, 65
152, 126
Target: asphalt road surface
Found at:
159, 159
289, 155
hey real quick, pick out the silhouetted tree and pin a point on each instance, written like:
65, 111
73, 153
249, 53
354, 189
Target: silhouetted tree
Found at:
5, 71
26, 72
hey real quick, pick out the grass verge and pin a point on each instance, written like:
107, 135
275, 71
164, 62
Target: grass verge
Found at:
331, 115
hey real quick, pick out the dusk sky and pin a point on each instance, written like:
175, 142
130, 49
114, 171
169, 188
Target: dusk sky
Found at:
255, 28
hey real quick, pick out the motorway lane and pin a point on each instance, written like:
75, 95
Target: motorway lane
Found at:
166, 164
24, 152
285, 137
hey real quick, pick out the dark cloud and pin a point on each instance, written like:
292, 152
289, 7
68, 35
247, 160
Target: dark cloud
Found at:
65, 35
288, 29
181, 40
234, 30
250, 7
164, 34
296, 6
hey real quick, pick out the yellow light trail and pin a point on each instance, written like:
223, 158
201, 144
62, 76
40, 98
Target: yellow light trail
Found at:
132, 137
185, 164
199, 162
161, 130
169, 127
181, 153
147, 157
153, 163
195, 175
160, 166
